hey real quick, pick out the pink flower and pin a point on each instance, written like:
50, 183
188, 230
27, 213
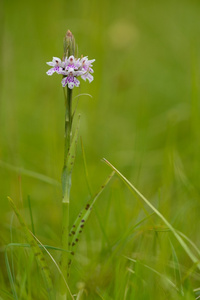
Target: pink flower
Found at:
72, 68
57, 65
86, 65
70, 79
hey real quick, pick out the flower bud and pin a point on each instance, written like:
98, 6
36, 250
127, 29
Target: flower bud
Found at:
69, 44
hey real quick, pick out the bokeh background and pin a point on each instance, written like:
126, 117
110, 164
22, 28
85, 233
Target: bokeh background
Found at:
143, 115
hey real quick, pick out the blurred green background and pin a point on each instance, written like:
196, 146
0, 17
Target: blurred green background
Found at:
143, 117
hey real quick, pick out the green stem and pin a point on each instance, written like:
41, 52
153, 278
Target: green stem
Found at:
66, 186
68, 122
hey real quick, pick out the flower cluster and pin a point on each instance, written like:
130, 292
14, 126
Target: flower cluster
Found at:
71, 68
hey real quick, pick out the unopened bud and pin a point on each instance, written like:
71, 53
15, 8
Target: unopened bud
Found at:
69, 44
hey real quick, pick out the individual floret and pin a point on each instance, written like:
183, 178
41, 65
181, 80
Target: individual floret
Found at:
57, 65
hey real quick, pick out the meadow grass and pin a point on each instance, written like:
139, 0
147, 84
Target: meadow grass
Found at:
141, 239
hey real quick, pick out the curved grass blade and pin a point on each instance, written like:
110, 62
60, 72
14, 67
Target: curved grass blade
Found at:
133, 190
29, 246
59, 270
37, 252
121, 243
154, 271
189, 242
91, 193
83, 216
83, 94
29, 173
45, 247
78, 96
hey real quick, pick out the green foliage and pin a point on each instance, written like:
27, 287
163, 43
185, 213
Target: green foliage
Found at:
39, 256
143, 117
82, 218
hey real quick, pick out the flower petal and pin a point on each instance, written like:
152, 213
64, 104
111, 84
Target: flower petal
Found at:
58, 70
70, 85
84, 76
50, 63
56, 60
90, 77
76, 82
64, 81
50, 71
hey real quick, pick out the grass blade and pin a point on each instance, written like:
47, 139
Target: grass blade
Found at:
44, 247
83, 94
59, 270
12, 284
177, 271
91, 193
154, 271
31, 214
29, 173
134, 190
37, 252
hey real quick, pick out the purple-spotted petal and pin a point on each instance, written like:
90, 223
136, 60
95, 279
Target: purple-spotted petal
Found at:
87, 76
84, 76
55, 62
63, 72
50, 71
91, 70
79, 73
64, 81
90, 77
58, 70
76, 82
71, 85
72, 68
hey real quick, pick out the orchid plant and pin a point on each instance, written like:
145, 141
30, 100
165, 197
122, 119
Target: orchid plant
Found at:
70, 68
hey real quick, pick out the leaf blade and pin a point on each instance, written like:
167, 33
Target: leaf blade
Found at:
83, 216
134, 190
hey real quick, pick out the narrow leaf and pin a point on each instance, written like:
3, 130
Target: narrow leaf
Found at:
36, 250
29, 173
10, 276
83, 216
72, 151
31, 214
133, 190
165, 278
68, 166
44, 247
177, 270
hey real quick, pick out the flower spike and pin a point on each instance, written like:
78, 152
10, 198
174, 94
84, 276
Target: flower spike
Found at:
71, 68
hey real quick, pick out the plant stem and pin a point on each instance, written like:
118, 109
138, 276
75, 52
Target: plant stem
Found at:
66, 186
69, 47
